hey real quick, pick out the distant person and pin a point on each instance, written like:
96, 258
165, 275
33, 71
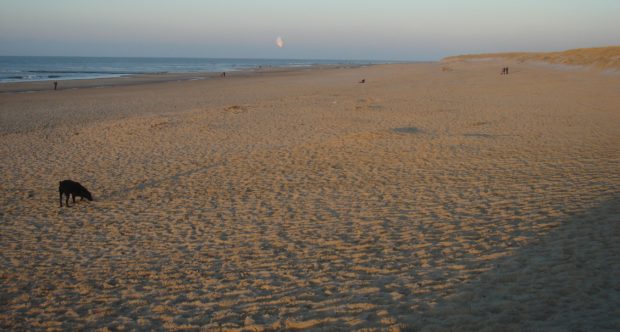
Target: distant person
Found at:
55, 85
223, 74
506, 70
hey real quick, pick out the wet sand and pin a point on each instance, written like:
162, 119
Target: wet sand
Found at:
433, 197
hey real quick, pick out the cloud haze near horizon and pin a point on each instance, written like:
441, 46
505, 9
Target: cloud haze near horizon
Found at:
318, 29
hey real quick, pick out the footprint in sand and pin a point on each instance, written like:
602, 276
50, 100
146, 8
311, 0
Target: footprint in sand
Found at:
368, 103
236, 109
479, 135
407, 130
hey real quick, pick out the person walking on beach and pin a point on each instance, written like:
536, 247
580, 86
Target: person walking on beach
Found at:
55, 85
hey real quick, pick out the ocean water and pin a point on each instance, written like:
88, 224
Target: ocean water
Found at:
44, 68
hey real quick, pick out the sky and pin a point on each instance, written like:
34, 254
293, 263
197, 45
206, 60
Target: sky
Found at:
310, 29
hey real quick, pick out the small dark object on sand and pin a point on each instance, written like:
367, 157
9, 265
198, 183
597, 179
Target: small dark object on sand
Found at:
73, 188
55, 85
363, 81
223, 74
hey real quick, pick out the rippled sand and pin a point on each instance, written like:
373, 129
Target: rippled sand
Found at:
432, 197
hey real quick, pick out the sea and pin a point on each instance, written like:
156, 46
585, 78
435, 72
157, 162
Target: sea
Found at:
48, 68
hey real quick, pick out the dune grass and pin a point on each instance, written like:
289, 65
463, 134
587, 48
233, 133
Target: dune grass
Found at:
600, 57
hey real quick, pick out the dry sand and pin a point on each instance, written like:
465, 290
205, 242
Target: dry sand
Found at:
425, 199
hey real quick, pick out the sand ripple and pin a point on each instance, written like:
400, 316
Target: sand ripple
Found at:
398, 206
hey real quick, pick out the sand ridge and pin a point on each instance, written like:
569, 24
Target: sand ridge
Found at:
597, 57
422, 199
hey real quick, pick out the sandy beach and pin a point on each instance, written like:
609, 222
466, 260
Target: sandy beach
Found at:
434, 197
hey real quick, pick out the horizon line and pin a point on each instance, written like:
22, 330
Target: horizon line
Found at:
214, 58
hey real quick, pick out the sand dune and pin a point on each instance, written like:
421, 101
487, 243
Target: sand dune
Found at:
421, 200
600, 57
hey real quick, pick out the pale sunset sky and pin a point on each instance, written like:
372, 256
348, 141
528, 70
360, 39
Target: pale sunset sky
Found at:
310, 29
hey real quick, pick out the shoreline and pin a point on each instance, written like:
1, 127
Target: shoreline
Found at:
143, 94
154, 78
135, 89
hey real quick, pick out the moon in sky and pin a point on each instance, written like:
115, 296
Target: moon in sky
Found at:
280, 42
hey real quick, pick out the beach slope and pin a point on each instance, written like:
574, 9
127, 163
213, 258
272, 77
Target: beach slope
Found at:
423, 199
